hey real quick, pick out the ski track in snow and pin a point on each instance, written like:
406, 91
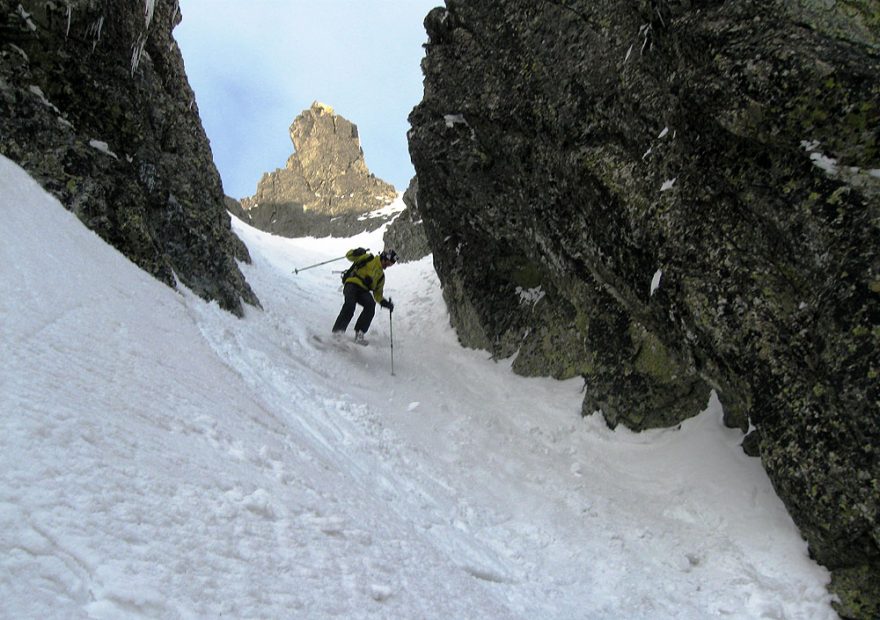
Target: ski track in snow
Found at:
163, 459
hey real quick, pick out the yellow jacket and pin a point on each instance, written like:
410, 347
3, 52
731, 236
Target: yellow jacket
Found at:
368, 273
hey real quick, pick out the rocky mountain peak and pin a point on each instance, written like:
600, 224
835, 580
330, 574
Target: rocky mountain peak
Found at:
326, 177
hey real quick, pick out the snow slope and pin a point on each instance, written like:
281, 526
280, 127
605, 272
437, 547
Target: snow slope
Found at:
160, 458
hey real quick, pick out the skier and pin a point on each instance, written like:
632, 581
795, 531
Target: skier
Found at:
366, 274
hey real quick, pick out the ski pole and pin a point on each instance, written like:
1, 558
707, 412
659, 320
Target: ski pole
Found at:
332, 260
391, 332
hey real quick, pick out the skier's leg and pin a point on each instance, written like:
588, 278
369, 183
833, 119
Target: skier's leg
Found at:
350, 291
365, 298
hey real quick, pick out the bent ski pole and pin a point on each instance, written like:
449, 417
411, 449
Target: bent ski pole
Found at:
332, 260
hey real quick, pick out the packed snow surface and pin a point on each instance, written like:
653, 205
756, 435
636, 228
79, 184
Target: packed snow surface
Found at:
160, 458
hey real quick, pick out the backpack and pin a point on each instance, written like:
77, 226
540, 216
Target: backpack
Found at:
357, 264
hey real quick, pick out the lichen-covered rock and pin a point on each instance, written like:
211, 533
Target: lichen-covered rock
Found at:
405, 234
95, 105
325, 188
669, 197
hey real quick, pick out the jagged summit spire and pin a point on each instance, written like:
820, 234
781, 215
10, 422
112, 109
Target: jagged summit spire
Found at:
326, 177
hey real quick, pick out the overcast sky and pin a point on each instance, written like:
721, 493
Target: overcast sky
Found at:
256, 64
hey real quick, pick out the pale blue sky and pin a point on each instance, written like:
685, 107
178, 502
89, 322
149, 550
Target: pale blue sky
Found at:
256, 64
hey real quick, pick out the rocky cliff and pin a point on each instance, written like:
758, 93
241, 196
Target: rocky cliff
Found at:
405, 234
95, 105
669, 197
325, 187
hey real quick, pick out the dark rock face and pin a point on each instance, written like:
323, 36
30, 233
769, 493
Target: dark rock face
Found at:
325, 187
670, 197
405, 234
235, 208
95, 105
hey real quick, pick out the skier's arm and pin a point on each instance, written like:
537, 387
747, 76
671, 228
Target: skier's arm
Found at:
377, 292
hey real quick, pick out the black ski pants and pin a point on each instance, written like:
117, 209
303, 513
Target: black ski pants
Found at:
355, 295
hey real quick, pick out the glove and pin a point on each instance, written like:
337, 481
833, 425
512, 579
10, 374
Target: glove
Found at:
387, 303
358, 252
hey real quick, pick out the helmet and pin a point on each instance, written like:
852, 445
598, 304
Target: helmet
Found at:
389, 255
